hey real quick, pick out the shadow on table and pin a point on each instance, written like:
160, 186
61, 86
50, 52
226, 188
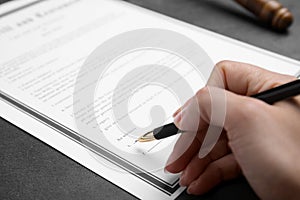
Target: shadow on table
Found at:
235, 189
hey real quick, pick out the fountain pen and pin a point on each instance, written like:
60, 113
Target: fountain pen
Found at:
269, 96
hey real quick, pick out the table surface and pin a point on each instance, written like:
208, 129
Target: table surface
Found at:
30, 169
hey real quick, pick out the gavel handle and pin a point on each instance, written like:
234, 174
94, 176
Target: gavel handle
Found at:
270, 12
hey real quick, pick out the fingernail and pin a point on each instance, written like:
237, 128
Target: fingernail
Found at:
191, 188
166, 171
176, 112
189, 116
182, 181
188, 191
177, 119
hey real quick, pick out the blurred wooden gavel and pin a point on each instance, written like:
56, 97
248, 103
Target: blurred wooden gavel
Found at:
270, 12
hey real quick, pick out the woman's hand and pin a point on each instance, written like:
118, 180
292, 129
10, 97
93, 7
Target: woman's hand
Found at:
260, 141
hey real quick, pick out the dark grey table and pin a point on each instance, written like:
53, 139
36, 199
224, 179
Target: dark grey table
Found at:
30, 169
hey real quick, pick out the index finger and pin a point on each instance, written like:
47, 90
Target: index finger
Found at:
244, 79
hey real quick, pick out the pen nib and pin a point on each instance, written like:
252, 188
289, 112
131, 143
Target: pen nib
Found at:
146, 137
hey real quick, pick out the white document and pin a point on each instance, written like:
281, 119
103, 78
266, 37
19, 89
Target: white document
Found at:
43, 46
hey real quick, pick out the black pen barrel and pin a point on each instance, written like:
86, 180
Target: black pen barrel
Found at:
279, 93
165, 131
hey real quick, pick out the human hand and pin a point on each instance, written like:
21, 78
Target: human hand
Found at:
259, 140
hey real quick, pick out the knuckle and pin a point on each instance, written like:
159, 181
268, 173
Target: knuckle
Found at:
202, 93
285, 79
224, 64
